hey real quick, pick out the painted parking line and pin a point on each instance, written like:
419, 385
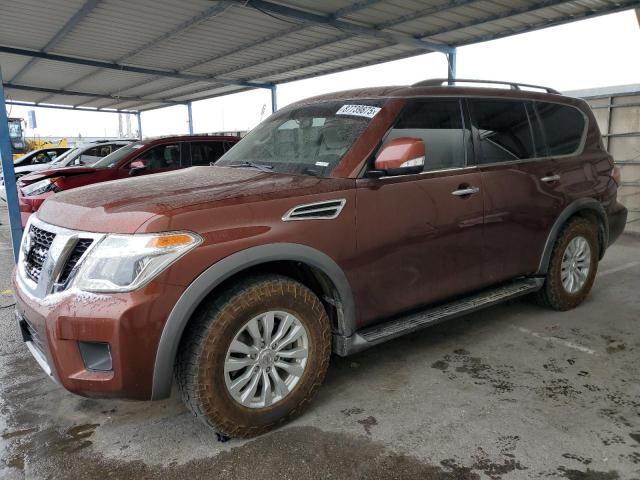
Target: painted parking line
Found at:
620, 268
557, 340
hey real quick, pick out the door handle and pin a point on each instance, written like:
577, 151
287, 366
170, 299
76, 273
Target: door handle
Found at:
550, 178
465, 191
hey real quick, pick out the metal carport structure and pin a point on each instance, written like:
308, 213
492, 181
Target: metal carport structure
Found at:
118, 56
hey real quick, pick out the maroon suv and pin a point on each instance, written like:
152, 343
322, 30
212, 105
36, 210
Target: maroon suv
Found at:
152, 155
338, 223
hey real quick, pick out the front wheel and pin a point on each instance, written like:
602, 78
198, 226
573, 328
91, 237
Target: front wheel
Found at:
254, 357
573, 266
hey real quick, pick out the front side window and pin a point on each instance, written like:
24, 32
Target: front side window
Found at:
162, 157
308, 140
439, 124
563, 127
41, 157
504, 130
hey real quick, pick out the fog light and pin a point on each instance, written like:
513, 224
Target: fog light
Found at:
96, 356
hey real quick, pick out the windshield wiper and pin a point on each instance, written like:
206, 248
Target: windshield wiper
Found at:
259, 166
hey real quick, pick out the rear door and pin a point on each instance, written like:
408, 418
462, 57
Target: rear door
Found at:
521, 199
418, 238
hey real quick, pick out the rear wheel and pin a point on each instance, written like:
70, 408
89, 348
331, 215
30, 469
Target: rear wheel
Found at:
255, 356
573, 266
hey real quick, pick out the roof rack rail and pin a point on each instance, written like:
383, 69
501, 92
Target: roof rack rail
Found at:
439, 82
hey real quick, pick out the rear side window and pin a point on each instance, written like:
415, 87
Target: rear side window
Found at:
439, 124
504, 130
563, 127
206, 153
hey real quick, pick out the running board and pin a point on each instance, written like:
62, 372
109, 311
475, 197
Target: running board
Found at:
397, 327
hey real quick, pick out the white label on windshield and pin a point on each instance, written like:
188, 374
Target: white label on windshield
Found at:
358, 110
139, 145
322, 164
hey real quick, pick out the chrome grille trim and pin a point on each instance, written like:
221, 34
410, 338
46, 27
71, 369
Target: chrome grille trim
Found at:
41, 243
54, 260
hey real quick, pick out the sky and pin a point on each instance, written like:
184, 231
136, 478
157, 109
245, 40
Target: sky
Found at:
592, 53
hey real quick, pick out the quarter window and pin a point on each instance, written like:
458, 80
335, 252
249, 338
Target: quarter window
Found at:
504, 130
439, 124
563, 127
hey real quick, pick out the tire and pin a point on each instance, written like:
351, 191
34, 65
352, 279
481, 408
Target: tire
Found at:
554, 293
205, 355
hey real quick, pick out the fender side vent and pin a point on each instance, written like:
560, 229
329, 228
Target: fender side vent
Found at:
326, 210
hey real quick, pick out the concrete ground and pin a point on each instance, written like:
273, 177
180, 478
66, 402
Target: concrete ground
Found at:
512, 392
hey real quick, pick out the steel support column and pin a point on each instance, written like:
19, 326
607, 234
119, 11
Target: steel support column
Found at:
274, 98
190, 118
9, 176
451, 66
139, 125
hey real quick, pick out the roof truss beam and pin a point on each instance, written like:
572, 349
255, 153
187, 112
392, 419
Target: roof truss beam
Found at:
68, 27
128, 68
354, 29
73, 93
68, 107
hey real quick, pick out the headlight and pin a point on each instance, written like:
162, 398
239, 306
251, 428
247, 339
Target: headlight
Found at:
38, 188
121, 263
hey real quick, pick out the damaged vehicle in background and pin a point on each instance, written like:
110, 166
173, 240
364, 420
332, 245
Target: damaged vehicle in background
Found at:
84, 154
40, 156
338, 223
137, 158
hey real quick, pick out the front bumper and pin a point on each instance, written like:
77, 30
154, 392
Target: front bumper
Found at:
129, 323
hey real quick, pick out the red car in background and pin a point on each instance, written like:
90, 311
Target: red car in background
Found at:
144, 157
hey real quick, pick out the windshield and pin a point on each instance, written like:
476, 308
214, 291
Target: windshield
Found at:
309, 140
114, 158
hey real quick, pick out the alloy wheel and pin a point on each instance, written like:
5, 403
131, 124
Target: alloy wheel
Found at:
576, 263
266, 359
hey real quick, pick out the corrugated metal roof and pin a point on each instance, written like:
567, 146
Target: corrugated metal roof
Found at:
200, 48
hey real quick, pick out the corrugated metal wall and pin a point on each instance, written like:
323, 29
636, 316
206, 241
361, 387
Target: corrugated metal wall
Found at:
619, 118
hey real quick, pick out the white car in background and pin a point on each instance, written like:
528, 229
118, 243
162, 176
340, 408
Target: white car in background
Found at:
84, 154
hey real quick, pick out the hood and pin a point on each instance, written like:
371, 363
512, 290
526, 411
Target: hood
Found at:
122, 206
44, 172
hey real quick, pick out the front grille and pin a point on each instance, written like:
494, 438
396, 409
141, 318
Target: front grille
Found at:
74, 258
41, 241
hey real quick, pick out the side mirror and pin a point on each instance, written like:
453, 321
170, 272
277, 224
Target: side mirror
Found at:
400, 156
136, 171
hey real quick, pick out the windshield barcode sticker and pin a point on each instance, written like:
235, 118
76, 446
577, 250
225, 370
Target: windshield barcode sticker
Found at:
358, 110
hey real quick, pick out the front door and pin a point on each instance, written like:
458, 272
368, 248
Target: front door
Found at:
419, 236
161, 158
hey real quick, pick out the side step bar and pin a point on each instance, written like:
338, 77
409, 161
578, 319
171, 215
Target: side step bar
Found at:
397, 327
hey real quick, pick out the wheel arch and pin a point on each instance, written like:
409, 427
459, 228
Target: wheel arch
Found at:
587, 208
331, 284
